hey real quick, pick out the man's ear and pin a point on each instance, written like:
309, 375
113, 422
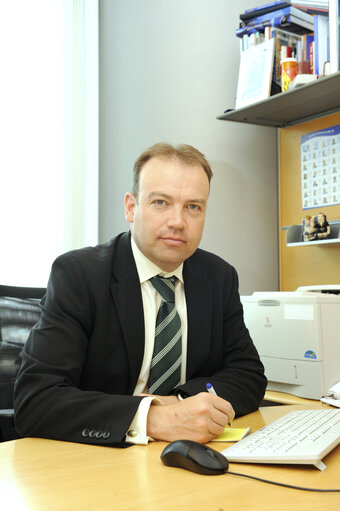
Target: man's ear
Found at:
130, 202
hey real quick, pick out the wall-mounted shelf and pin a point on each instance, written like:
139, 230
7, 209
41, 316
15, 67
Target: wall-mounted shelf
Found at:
315, 99
294, 236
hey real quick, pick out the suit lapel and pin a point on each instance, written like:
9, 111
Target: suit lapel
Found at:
127, 297
198, 294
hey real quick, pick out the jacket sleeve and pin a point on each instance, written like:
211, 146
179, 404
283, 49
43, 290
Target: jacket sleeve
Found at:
50, 400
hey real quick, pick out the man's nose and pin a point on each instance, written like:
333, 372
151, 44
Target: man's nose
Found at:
176, 218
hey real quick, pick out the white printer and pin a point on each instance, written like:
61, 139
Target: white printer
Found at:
297, 335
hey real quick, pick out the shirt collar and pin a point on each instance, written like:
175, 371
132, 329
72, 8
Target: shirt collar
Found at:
147, 269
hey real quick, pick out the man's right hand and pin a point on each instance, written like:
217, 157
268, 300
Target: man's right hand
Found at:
199, 418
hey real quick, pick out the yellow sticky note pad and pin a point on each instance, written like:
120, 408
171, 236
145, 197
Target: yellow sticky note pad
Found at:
232, 435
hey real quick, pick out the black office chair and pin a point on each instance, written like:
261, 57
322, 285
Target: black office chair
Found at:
19, 311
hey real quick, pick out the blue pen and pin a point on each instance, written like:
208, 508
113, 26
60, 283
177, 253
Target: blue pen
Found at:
211, 390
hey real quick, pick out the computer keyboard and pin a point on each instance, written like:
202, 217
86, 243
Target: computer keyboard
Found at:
299, 437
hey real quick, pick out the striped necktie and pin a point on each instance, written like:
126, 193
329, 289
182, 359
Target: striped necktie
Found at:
165, 371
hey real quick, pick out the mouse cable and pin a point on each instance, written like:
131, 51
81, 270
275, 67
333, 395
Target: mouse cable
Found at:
282, 484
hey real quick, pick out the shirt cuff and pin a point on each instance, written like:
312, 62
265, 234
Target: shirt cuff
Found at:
136, 433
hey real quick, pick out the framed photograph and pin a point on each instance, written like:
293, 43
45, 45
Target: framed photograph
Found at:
255, 75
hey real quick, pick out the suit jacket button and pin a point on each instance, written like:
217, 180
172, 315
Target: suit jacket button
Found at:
85, 433
92, 433
106, 435
99, 434
132, 433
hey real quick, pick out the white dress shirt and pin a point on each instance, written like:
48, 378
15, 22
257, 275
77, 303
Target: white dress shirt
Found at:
151, 301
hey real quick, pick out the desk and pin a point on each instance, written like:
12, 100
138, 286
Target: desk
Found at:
287, 399
46, 475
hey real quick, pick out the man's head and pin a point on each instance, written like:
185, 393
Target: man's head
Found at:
168, 204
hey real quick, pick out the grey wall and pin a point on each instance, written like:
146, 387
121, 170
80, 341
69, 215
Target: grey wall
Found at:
167, 69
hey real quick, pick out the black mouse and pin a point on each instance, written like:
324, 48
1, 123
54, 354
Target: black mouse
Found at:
195, 457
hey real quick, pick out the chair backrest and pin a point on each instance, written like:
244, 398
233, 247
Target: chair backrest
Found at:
22, 292
19, 311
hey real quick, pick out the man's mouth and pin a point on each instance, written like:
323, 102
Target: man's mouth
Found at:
173, 240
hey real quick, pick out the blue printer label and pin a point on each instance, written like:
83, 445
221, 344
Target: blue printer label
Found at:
310, 354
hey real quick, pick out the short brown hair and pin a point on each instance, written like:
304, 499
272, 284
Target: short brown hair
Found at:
186, 154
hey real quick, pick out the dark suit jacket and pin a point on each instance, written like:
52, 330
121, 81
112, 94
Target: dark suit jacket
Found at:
81, 362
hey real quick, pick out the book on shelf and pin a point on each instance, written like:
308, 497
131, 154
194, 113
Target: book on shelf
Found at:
321, 43
307, 40
262, 9
312, 10
309, 7
311, 58
334, 36
288, 18
284, 11
288, 23
313, 4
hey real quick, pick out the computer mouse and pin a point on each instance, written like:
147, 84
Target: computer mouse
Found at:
195, 457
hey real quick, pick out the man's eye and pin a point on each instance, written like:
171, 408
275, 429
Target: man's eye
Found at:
159, 202
193, 207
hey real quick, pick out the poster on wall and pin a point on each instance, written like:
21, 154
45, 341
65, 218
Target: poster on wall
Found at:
320, 168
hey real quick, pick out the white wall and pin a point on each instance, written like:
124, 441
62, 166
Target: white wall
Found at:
167, 69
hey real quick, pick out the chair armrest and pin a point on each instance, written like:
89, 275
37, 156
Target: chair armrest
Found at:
7, 429
7, 413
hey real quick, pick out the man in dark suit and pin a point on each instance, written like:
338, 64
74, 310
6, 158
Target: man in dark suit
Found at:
86, 367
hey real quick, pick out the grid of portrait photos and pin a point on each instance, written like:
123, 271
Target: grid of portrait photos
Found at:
320, 168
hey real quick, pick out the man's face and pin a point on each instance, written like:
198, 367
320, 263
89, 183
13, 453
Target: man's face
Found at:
167, 217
